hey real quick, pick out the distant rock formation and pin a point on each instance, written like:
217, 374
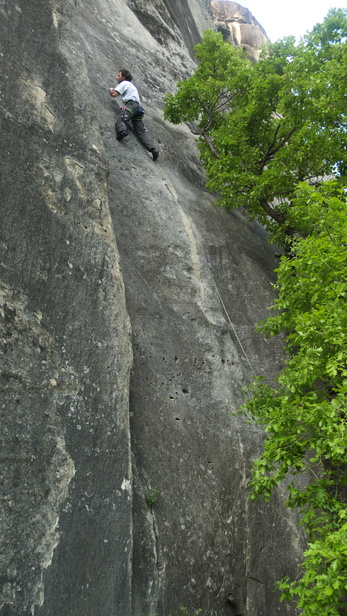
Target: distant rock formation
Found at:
245, 30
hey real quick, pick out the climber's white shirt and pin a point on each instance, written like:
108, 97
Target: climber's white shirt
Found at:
128, 91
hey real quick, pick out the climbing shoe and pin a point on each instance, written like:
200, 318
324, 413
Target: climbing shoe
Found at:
154, 153
121, 135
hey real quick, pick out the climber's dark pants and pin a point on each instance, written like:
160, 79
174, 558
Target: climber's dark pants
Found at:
134, 113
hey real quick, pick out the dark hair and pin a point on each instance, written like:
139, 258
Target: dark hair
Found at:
126, 74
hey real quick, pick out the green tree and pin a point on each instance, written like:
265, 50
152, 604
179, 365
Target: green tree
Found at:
305, 413
266, 127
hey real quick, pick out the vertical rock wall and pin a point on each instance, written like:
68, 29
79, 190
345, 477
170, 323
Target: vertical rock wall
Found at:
65, 347
78, 537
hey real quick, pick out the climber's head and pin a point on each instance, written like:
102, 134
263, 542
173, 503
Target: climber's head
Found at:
124, 74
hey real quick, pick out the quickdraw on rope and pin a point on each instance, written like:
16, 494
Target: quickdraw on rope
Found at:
166, 183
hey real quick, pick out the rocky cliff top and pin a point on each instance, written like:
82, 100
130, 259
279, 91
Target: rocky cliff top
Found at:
244, 29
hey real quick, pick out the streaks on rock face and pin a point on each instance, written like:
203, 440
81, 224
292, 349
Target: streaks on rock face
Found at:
35, 468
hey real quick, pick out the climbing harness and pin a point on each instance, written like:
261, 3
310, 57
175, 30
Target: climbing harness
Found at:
127, 113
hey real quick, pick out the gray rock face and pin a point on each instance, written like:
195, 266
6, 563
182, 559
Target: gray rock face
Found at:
244, 29
128, 303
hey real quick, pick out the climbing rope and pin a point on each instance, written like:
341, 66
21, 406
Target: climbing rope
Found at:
246, 358
231, 323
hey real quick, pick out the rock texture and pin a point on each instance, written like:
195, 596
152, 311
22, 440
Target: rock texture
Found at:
120, 366
244, 29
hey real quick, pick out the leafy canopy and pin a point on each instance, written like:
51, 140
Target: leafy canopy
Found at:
266, 127
305, 413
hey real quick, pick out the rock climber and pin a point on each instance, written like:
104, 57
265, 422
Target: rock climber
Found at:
131, 110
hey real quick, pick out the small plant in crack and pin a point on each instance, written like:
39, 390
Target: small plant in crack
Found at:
183, 611
151, 496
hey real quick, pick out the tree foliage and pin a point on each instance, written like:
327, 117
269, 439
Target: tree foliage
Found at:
266, 127
305, 413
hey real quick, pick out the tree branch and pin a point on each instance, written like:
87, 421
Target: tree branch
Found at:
271, 150
210, 144
270, 211
284, 140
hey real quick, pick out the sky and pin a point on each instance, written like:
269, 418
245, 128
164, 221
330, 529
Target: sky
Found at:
283, 18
